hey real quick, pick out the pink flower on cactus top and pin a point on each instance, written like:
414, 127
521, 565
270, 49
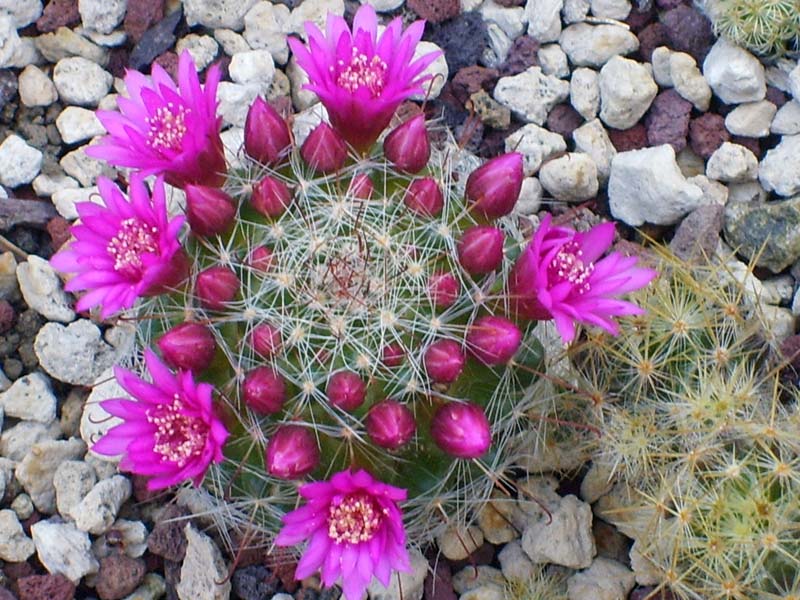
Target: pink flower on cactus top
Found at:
355, 530
359, 77
561, 276
170, 433
166, 129
123, 250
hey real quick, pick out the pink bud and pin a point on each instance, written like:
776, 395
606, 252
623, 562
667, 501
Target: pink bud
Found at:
215, 287
266, 340
266, 135
324, 150
461, 429
493, 340
390, 424
424, 197
264, 391
209, 210
444, 361
407, 145
260, 259
361, 186
270, 197
443, 288
480, 249
346, 390
494, 187
393, 354
189, 346
292, 452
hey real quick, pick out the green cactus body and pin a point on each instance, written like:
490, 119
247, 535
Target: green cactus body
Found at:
768, 27
348, 277
700, 437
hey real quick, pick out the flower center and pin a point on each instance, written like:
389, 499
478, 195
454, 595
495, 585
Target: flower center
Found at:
167, 127
568, 265
362, 72
179, 437
133, 239
354, 519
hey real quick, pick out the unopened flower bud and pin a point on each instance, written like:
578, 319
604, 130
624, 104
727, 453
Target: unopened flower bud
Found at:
346, 390
215, 287
443, 289
424, 197
264, 391
480, 249
324, 150
189, 346
270, 197
444, 361
292, 452
266, 135
392, 355
266, 340
209, 210
361, 186
260, 259
407, 146
493, 189
461, 429
390, 424
493, 340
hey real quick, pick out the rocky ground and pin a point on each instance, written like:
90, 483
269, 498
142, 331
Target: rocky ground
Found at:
640, 113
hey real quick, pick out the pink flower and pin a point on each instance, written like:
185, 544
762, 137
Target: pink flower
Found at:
359, 77
355, 530
171, 433
166, 129
123, 250
558, 276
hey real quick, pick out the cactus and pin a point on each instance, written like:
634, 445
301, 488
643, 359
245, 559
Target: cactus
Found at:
544, 583
699, 436
767, 27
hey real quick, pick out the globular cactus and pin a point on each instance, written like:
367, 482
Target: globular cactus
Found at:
767, 27
699, 437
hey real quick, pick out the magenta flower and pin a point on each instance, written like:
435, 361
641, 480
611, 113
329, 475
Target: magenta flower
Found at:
123, 250
167, 129
171, 433
359, 77
559, 277
355, 530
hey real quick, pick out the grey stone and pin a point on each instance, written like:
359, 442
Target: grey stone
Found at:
253, 67
647, 186
316, 11
36, 88
697, 236
202, 48
72, 480
64, 199
544, 19
496, 520
19, 162
626, 91
409, 586
62, 548
514, 563
598, 481
751, 119
16, 442
437, 72
64, 43
611, 9
570, 178
553, 61
584, 92
102, 16
22, 506
496, 53
47, 184
575, 11
10, 44
567, 540
153, 587
530, 197
536, 145
732, 163
77, 124
81, 81
30, 398
605, 579
15, 546
23, 13
511, 20
689, 81
475, 577
9, 288
531, 95
98, 509
231, 42
35, 472
215, 14
779, 170
457, 543
235, 100
734, 74
95, 421
787, 119
265, 26
594, 45
593, 139
202, 569
768, 233
41, 288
